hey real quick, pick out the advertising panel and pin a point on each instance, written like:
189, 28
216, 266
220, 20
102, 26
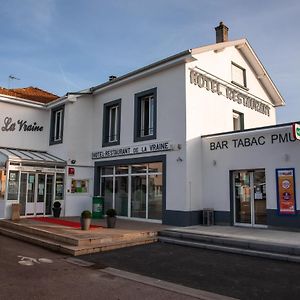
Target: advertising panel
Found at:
286, 194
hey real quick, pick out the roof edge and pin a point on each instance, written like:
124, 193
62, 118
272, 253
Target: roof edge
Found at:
143, 69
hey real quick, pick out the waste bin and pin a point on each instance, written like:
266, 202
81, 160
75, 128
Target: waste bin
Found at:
98, 207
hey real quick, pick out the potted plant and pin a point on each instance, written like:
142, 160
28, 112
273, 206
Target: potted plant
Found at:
56, 209
111, 218
86, 217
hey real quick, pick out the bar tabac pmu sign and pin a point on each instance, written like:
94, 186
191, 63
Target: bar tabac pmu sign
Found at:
296, 131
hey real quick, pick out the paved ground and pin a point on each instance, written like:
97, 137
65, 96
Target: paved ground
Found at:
223, 273
62, 280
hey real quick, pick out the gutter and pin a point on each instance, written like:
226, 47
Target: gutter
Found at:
20, 101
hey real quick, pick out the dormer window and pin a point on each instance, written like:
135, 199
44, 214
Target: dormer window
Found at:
238, 75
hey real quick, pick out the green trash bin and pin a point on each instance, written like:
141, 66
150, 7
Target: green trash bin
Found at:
98, 207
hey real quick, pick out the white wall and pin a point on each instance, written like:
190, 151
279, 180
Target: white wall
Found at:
36, 140
77, 144
208, 112
75, 203
170, 86
268, 156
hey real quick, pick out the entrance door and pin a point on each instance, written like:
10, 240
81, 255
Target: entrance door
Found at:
36, 194
30, 204
249, 198
41, 194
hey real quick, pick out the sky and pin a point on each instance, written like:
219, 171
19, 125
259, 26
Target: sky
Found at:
69, 45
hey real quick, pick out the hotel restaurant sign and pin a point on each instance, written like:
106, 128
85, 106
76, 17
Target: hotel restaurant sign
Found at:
124, 151
219, 88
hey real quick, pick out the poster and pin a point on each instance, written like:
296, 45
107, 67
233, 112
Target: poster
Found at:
286, 194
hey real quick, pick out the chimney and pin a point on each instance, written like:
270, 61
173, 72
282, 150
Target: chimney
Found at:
112, 77
221, 33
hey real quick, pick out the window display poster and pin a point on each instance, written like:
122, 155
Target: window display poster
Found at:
286, 194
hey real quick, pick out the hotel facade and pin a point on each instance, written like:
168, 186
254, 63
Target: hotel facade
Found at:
193, 131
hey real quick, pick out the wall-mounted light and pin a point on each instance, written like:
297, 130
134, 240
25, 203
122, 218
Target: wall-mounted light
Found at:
214, 162
73, 161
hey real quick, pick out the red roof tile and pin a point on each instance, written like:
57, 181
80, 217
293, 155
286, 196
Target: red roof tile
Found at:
30, 93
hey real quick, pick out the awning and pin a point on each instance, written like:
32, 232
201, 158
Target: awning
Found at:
29, 156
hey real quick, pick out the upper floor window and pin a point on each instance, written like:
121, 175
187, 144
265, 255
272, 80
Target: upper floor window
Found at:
145, 115
111, 123
238, 120
57, 125
238, 75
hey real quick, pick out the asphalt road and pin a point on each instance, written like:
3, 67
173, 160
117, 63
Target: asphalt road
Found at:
238, 276
50, 276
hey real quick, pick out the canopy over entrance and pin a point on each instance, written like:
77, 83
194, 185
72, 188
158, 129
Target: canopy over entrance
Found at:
31, 157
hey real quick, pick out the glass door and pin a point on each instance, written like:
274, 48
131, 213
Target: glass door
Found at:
23, 194
242, 195
138, 196
249, 198
260, 200
30, 204
49, 194
41, 194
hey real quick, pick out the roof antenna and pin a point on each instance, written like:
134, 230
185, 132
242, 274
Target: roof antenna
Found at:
11, 78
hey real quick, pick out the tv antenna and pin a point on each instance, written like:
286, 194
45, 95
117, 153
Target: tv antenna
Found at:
11, 78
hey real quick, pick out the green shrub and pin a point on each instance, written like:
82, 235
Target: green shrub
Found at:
111, 212
86, 214
56, 204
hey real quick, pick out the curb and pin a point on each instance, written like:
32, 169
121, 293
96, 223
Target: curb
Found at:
172, 287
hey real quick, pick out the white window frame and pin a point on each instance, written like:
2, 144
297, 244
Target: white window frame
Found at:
149, 99
56, 114
240, 82
236, 121
112, 136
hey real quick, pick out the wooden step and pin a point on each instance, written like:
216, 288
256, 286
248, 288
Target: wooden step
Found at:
21, 227
75, 250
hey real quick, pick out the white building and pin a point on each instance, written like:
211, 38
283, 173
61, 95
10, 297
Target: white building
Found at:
147, 142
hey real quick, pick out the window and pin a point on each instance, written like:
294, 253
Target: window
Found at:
13, 185
57, 125
145, 115
134, 190
2, 184
238, 120
238, 75
59, 187
111, 123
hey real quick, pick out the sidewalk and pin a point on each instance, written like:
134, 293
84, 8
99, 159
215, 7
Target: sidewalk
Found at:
279, 237
267, 243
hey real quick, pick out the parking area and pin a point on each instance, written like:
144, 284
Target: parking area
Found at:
227, 274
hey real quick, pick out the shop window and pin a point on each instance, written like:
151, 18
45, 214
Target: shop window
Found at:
59, 187
111, 123
57, 125
238, 75
145, 115
79, 186
134, 190
13, 185
238, 120
2, 184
